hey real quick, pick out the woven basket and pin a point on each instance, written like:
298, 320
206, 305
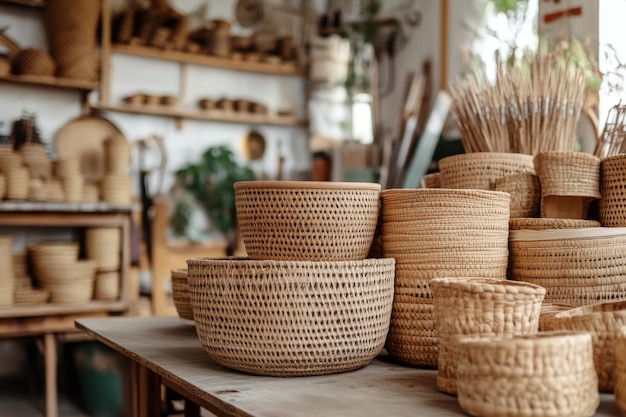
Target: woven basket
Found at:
117, 152
17, 184
3, 186
104, 245
73, 188
107, 286
525, 193
7, 273
481, 170
307, 220
576, 266
528, 223
79, 291
602, 320
116, 189
482, 308
291, 318
33, 61
434, 233
620, 369
180, 293
612, 211
431, 180
548, 311
546, 375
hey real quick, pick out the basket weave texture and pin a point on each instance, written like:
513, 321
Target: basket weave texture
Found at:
482, 308
530, 223
291, 318
435, 233
432, 180
481, 170
575, 174
33, 61
7, 272
525, 191
307, 220
602, 320
547, 375
548, 311
620, 369
576, 266
180, 293
612, 210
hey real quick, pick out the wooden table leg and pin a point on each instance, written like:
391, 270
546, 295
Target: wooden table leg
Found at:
50, 360
191, 409
146, 392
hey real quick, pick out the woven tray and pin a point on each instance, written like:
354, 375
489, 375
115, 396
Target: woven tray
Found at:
546, 375
307, 220
479, 307
481, 170
291, 318
620, 369
180, 293
612, 210
602, 320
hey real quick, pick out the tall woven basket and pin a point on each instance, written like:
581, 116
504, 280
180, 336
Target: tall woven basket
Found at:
613, 190
435, 233
481, 308
291, 318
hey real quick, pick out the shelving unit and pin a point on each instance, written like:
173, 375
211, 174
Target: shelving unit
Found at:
53, 82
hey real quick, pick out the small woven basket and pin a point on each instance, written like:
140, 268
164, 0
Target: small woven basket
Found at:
525, 193
620, 369
602, 320
612, 211
480, 307
431, 180
546, 375
548, 311
481, 170
180, 293
104, 245
307, 220
291, 318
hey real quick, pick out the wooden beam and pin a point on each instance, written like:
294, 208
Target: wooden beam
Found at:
443, 45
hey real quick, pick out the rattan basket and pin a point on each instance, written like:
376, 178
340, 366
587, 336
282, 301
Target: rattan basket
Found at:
530, 223
612, 210
307, 220
481, 170
546, 375
479, 307
432, 180
602, 320
291, 318
33, 61
576, 266
180, 293
525, 193
620, 369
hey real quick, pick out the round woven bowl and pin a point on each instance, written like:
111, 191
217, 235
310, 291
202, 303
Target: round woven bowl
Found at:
525, 193
612, 211
479, 307
620, 369
180, 293
291, 318
481, 170
602, 320
576, 266
307, 220
530, 223
575, 174
546, 375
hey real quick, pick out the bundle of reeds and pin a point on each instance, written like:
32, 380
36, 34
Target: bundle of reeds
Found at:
532, 107
612, 141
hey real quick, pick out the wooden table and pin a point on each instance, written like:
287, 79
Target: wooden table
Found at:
169, 352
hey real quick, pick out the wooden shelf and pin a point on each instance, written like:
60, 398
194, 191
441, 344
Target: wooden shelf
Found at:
53, 82
47, 206
50, 309
210, 61
210, 115
25, 3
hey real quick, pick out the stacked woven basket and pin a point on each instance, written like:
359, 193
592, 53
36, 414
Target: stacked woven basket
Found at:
104, 245
116, 185
308, 302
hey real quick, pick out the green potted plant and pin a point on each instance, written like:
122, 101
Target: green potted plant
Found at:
210, 184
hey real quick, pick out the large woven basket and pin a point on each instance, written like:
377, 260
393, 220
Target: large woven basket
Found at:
525, 193
546, 375
481, 170
291, 318
612, 211
602, 320
180, 293
576, 266
307, 220
620, 369
434, 233
482, 308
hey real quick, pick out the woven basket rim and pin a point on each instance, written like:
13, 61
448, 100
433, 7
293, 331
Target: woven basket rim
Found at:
529, 235
245, 262
479, 285
589, 311
308, 185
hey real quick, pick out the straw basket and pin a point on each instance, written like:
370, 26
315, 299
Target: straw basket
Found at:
620, 369
545, 375
602, 320
576, 266
431, 180
117, 155
17, 183
307, 220
73, 188
107, 285
7, 274
481, 170
3, 186
570, 181
529, 223
548, 311
67, 168
33, 61
525, 193
116, 189
280, 318
180, 293
435, 233
103, 244
479, 307
613, 189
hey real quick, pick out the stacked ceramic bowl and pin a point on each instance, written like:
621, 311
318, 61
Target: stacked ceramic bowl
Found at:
58, 269
7, 277
103, 245
308, 302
